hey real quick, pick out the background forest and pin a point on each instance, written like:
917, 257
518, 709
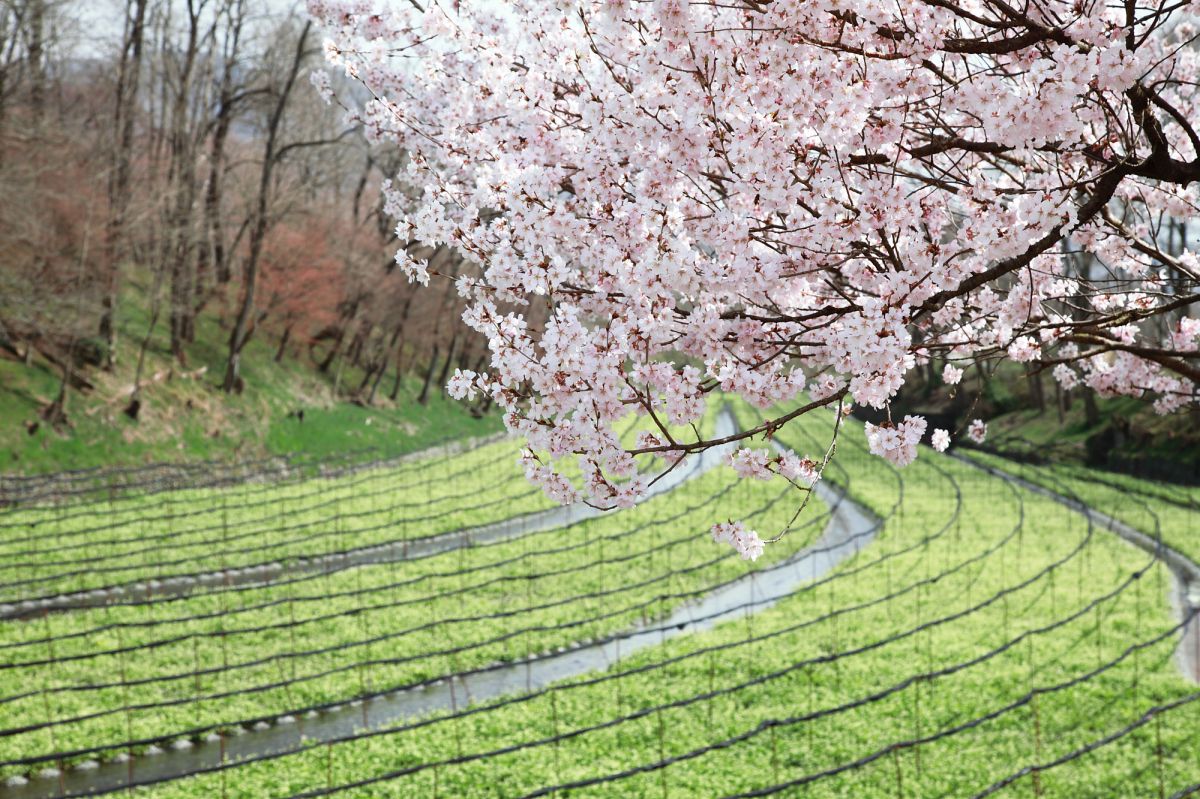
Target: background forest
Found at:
193, 250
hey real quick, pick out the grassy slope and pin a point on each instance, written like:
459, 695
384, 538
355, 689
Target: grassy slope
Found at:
1016, 425
1065, 438
593, 578
186, 416
137, 535
308, 519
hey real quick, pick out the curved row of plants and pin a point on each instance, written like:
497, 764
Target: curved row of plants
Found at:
105, 677
1171, 512
220, 530
987, 645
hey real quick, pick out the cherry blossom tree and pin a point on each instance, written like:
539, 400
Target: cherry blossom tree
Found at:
769, 198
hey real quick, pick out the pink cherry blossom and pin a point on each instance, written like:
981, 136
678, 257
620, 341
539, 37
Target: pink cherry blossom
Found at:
940, 440
803, 471
557, 487
977, 431
754, 463
666, 200
1024, 349
897, 443
1187, 333
1066, 376
746, 542
462, 384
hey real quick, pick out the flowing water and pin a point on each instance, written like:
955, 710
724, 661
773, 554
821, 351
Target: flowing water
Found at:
850, 528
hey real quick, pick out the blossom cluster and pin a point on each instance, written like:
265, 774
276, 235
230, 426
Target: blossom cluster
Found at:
897, 442
746, 542
760, 464
671, 198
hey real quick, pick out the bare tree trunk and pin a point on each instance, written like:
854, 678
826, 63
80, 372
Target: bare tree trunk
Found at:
387, 358
381, 356
283, 342
355, 351
9, 29
485, 402
180, 236
442, 311
56, 412
1090, 409
128, 75
397, 350
215, 251
369, 370
423, 397
1037, 392
237, 339
361, 186
395, 392
445, 373
464, 355
341, 364
334, 351
348, 319
36, 58
135, 399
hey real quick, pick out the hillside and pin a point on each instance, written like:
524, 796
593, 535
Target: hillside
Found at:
288, 405
1034, 419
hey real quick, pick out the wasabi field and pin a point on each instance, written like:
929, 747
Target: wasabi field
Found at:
434, 626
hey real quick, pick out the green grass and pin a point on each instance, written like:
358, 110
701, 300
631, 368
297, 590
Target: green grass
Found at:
185, 415
215, 529
60, 548
990, 620
57, 549
1063, 437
